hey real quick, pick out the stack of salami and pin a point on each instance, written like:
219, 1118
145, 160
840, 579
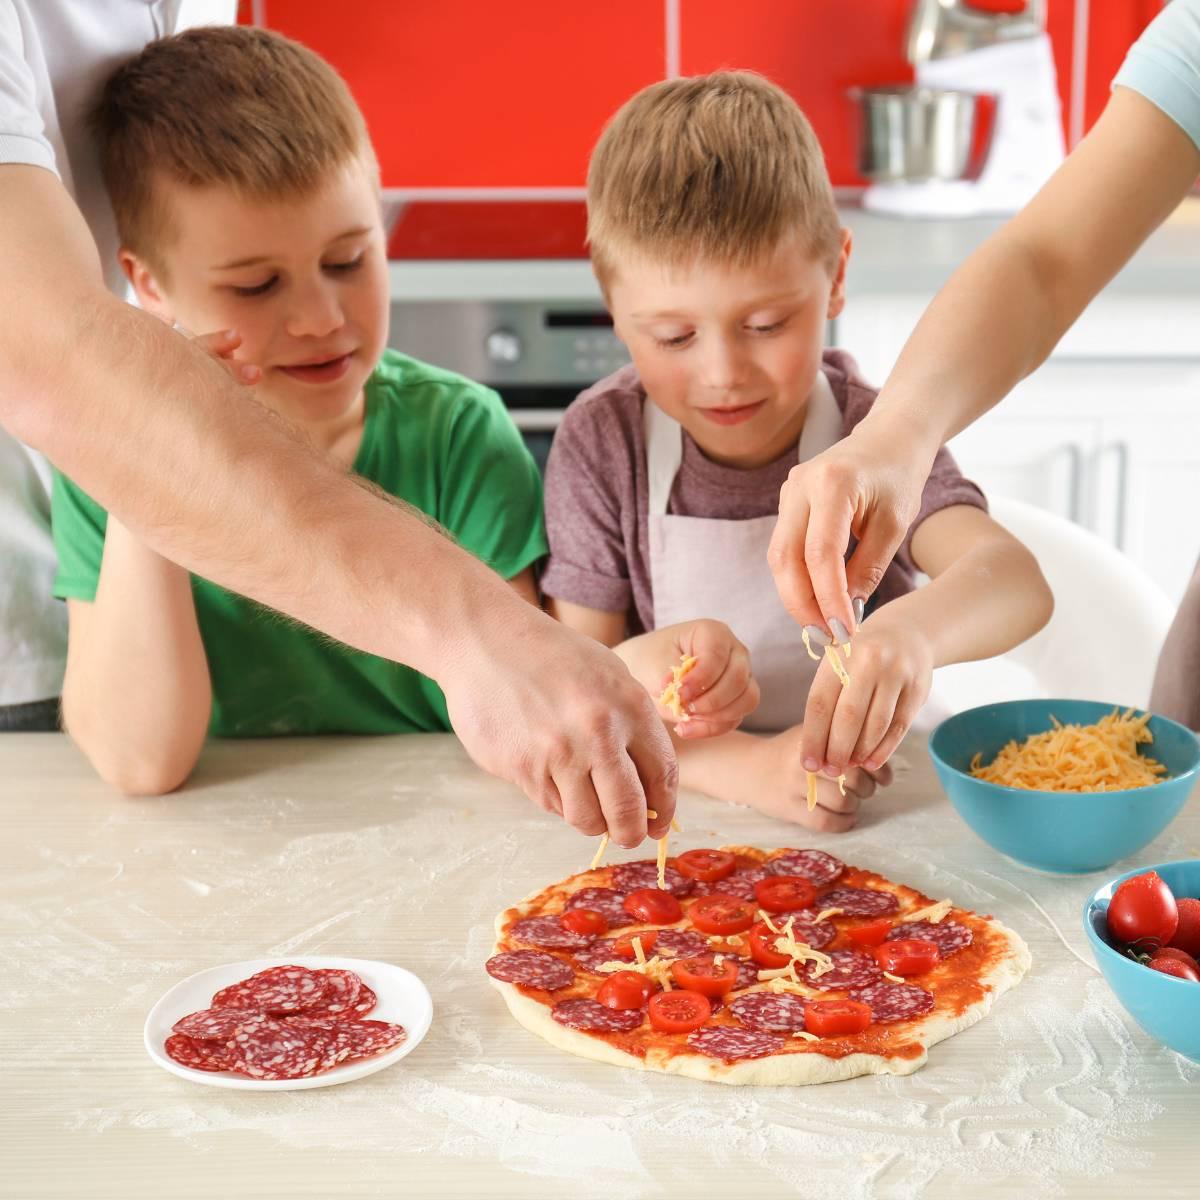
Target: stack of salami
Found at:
284, 1023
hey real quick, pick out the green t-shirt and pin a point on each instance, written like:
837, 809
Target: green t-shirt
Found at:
442, 443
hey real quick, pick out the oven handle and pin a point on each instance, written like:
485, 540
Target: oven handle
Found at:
536, 420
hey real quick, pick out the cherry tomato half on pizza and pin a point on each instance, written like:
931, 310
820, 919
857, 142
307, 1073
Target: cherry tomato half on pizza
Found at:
653, 905
762, 947
870, 934
721, 915
706, 865
625, 989
623, 946
784, 893
585, 920
704, 975
836, 1018
678, 1012
908, 956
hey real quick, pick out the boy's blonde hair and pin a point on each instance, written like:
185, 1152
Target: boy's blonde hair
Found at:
228, 105
719, 167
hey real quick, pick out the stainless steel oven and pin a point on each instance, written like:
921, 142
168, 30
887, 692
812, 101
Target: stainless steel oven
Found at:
539, 355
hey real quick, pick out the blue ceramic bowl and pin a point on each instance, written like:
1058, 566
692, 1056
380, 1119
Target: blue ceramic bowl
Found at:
1167, 1009
1064, 832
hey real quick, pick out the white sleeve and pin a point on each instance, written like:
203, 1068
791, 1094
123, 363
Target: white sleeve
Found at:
22, 130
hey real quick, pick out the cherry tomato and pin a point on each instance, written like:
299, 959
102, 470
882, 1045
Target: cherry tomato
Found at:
908, 956
653, 905
1143, 912
870, 934
625, 989
1187, 936
762, 947
784, 893
833, 1018
1182, 955
1172, 966
623, 946
721, 915
706, 865
678, 1012
701, 974
585, 920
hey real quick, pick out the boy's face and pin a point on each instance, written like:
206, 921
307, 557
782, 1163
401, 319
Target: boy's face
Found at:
731, 352
303, 280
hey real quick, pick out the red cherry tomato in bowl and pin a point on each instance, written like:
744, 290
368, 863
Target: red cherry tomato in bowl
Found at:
1173, 966
704, 975
721, 915
1143, 912
908, 956
706, 865
1182, 955
625, 989
653, 905
835, 1018
784, 893
585, 920
678, 1012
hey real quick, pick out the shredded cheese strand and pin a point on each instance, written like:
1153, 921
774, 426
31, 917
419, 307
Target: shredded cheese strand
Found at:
599, 852
670, 694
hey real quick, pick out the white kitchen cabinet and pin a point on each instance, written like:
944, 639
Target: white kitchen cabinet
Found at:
1106, 432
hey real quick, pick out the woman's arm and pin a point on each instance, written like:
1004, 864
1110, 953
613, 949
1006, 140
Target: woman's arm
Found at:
137, 696
995, 321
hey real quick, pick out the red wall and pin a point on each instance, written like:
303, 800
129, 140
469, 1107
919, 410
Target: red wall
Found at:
474, 93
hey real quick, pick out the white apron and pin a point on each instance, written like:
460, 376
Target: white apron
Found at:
708, 567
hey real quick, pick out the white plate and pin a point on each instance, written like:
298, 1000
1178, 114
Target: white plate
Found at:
403, 998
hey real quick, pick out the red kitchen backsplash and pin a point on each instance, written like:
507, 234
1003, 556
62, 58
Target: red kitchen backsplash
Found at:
471, 93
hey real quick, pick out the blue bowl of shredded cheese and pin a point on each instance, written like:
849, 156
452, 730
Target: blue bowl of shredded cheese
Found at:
1067, 786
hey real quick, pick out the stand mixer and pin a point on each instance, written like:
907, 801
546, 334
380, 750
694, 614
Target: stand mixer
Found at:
961, 49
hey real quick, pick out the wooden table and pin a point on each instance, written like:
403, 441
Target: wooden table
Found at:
399, 849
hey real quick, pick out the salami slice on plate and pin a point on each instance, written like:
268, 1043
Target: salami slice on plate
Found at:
342, 989
286, 989
214, 1024
197, 1054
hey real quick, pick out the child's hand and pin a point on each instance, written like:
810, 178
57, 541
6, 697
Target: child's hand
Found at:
717, 691
222, 346
891, 670
775, 783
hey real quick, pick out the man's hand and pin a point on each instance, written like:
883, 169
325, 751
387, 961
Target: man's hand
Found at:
561, 717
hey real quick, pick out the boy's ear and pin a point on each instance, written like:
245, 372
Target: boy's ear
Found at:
837, 293
141, 278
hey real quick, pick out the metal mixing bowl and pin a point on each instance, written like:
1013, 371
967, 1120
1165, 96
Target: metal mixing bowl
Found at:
916, 134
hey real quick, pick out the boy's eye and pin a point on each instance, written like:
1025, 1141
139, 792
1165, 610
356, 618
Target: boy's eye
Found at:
259, 289
345, 266
674, 343
775, 327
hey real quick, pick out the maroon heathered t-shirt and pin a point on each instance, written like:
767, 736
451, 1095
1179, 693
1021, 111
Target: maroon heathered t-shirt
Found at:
597, 498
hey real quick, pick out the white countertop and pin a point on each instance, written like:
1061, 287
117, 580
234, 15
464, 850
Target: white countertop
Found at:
399, 849
889, 255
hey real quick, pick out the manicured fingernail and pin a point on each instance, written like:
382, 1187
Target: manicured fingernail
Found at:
817, 635
812, 764
860, 607
839, 632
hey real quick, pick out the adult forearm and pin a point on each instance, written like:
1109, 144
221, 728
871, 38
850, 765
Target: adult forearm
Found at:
137, 696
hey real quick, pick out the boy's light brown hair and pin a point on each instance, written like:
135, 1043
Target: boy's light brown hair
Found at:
228, 105
717, 167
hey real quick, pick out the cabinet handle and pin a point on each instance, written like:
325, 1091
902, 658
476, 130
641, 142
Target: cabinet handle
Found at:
1122, 449
1074, 454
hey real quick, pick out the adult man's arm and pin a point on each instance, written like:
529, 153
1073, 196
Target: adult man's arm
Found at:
160, 435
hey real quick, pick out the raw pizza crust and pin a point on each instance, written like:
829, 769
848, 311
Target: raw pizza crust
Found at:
790, 1070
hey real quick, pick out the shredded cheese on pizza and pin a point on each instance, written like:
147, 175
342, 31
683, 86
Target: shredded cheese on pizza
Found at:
796, 950
826, 913
1077, 758
670, 695
805, 1035
934, 913
658, 969
893, 978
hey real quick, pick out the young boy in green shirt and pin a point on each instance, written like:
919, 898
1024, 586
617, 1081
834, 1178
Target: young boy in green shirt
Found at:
246, 195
